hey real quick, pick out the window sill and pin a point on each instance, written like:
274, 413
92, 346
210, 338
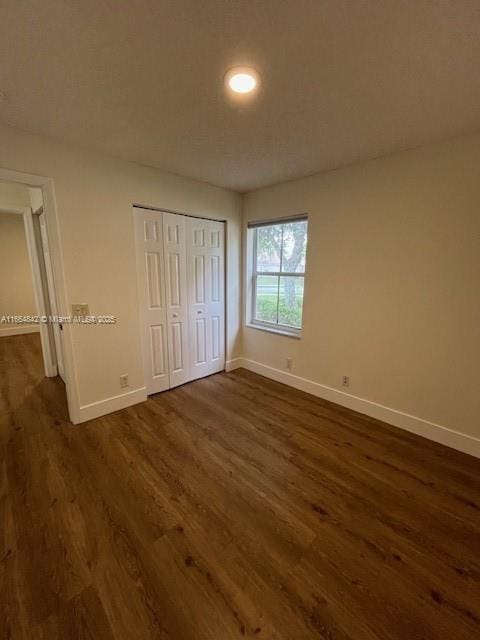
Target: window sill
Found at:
281, 332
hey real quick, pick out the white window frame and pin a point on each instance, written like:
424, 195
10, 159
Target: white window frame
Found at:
274, 327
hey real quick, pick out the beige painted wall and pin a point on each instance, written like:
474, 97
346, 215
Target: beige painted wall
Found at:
393, 281
16, 287
94, 196
15, 195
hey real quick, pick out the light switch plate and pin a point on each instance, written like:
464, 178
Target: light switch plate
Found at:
80, 309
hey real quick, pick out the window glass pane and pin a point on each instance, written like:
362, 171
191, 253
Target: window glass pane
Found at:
269, 245
294, 247
291, 301
266, 298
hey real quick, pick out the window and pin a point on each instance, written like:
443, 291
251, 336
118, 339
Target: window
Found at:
279, 250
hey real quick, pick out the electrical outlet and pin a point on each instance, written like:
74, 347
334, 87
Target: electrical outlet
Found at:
124, 381
289, 363
80, 310
345, 381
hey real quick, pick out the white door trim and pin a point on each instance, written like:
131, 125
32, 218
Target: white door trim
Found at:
43, 247
51, 222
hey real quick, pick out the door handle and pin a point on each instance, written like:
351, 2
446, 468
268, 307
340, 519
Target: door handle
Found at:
175, 315
199, 311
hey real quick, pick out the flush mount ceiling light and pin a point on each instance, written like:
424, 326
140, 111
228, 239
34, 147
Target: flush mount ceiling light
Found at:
242, 80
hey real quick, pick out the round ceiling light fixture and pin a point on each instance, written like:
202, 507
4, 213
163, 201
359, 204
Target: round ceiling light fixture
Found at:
242, 80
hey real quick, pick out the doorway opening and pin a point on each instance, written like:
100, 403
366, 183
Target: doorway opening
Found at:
31, 332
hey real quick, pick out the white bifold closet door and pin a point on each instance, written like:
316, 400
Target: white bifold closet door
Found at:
206, 304
176, 288
180, 263
152, 299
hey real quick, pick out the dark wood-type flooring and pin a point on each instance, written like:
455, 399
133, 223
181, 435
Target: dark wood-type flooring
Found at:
230, 507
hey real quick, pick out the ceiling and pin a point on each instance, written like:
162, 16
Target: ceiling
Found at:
143, 80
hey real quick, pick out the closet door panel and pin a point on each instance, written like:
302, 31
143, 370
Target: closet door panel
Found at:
200, 355
216, 338
176, 292
151, 294
159, 356
205, 283
177, 350
216, 250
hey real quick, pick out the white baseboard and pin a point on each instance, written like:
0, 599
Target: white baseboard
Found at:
437, 433
12, 330
101, 408
235, 363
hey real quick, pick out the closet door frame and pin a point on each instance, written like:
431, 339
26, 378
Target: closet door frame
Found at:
139, 209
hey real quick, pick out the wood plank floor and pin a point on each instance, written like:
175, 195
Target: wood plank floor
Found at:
230, 507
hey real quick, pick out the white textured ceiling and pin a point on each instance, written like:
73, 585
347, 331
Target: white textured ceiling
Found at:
143, 80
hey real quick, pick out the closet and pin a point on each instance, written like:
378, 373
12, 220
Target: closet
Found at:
181, 282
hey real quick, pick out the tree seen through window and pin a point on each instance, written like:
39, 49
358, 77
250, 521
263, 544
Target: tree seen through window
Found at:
279, 271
